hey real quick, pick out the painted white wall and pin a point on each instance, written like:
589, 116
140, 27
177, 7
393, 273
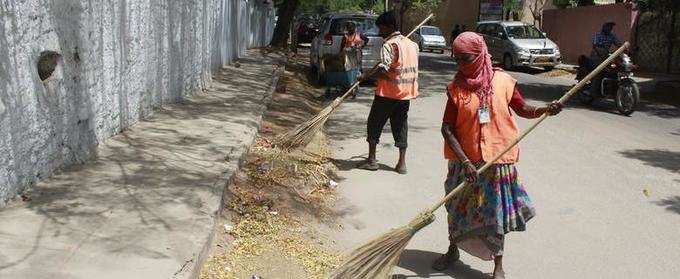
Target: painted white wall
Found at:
120, 60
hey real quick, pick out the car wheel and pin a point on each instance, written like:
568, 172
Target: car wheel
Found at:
420, 47
441, 51
507, 62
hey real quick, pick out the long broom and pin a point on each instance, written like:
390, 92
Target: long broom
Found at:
304, 133
376, 258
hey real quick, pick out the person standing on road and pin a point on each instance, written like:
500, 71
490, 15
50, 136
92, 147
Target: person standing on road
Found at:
351, 45
397, 75
478, 125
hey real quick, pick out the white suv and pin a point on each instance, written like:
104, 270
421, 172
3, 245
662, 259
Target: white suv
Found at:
515, 43
331, 30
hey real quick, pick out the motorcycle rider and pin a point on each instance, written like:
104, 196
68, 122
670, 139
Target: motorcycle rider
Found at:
603, 42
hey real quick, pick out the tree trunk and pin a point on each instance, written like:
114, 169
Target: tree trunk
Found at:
282, 29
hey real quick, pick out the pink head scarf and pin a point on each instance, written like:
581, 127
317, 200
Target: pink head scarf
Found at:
476, 76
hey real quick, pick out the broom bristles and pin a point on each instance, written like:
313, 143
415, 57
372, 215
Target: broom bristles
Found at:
305, 132
376, 258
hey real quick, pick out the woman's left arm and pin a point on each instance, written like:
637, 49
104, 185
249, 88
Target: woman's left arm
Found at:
525, 110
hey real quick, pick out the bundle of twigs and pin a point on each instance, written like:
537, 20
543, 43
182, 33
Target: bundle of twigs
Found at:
303, 134
376, 258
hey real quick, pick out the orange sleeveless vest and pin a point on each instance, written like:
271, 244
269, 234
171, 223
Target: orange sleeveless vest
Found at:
353, 41
402, 78
484, 141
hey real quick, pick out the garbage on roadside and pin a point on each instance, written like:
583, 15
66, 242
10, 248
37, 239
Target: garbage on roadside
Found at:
646, 193
263, 167
332, 183
228, 228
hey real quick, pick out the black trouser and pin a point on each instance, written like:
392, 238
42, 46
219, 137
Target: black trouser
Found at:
394, 110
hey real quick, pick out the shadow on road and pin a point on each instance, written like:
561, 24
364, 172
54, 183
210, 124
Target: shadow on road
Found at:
660, 158
420, 262
671, 204
352, 163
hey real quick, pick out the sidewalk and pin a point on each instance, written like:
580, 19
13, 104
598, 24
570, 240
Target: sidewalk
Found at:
145, 207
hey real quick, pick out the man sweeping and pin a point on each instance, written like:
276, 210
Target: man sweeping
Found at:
397, 76
478, 125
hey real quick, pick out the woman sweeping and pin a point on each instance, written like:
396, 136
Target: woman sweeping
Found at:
477, 125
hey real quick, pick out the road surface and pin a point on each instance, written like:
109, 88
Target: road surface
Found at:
586, 171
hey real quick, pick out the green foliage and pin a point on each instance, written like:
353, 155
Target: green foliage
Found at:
427, 5
565, 3
324, 6
512, 5
658, 5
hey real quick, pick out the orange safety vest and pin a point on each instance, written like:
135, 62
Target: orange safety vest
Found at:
353, 41
484, 141
401, 82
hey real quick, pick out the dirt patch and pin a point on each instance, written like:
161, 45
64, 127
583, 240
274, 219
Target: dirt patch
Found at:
278, 198
559, 73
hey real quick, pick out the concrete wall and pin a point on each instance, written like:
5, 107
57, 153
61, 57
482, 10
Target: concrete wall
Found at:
572, 29
120, 59
452, 12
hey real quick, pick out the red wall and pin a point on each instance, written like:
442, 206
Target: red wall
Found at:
572, 29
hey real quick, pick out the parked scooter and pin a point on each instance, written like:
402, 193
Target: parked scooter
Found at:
616, 83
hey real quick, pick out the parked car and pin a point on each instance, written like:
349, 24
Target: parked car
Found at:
331, 30
430, 38
515, 43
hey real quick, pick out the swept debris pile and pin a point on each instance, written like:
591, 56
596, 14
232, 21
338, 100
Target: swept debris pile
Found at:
276, 200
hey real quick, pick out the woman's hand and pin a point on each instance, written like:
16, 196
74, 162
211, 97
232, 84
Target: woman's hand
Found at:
554, 108
470, 172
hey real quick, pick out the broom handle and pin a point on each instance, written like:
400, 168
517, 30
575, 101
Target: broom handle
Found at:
533, 126
337, 102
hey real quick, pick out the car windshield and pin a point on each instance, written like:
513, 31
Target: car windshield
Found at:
524, 32
430, 31
365, 25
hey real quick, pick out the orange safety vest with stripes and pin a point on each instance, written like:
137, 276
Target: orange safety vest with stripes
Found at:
401, 81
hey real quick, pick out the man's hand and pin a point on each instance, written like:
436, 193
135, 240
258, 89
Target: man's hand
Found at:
470, 172
554, 108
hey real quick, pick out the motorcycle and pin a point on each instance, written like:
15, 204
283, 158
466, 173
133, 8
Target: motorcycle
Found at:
616, 83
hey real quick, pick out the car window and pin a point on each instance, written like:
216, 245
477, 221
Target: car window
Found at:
430, 31
524, 32
481, 29
494, 29
365, 25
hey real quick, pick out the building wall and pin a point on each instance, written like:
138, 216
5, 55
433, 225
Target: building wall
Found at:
120, 59
452, 12
572, 29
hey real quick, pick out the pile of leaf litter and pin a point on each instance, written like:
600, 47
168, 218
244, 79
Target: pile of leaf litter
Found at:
270, 203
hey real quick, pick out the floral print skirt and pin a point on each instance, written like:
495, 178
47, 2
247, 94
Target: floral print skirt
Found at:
484, 212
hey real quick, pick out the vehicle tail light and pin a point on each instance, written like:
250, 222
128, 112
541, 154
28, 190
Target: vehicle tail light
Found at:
328, 39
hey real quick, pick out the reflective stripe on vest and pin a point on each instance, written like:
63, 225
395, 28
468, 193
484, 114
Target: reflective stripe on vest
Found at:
401, 82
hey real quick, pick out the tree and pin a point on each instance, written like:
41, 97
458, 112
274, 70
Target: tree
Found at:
581, 3
512, 9
287, 9
536, 8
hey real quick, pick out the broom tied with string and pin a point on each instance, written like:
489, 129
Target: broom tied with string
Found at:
376, 258
303, 134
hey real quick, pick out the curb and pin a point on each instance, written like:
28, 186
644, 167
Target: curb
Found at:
229, 177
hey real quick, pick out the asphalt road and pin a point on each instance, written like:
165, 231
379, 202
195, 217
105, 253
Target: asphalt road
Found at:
586, 171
